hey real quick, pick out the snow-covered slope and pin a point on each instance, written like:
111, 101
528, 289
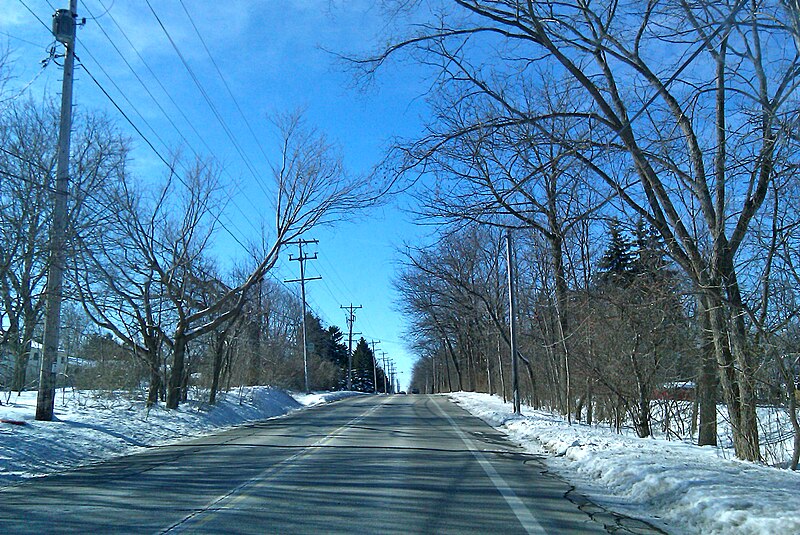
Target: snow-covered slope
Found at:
91, 426
682, 488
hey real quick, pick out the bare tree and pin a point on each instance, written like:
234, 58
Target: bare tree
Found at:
169, 239
683, 107
27, 166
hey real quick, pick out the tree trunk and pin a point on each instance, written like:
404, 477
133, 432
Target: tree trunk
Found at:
455, 365
175, 386
589, 402
793, 394
736, 378
706, 391
23, 346
154, 389
642, 416
579, 408
500, 369
489, 384
21, 356
216, 371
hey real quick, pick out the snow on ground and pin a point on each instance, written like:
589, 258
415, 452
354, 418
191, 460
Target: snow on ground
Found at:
679, 487
682, 488
318, 398
92, 426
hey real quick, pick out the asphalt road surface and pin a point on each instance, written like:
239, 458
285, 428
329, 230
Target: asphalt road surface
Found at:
371, 464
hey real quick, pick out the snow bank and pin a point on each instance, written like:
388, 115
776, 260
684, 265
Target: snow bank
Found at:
318, 398
91, 426
679, 487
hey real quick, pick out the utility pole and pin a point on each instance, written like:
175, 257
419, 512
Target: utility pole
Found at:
351, 318
64, 23
301, 257
374, 366
511, 326
386, 376
391, 376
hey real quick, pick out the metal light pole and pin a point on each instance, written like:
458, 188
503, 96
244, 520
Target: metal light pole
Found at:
512, 328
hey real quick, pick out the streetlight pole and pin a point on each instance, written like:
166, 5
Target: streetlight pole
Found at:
512, 326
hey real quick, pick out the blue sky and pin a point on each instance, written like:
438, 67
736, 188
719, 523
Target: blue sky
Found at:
274, 57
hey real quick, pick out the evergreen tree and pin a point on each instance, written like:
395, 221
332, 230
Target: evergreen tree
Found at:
617, 264
650, 251
335, 348
363, 378
327, 345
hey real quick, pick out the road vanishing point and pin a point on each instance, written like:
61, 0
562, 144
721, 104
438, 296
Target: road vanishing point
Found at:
369, 464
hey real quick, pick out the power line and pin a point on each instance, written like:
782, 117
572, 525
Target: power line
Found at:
155, 150
206, 96
160, 107
141, 82
224, 81
20, 38
179, 108
139, 131
157, 79
36, 16
124, 95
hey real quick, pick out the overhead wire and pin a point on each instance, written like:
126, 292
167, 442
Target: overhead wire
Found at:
171, 167
34, 14
19, 39
248, 164
217, 217
139, 79
178, 107
145, 138
138, 130
158, 81
225, 82
156, 102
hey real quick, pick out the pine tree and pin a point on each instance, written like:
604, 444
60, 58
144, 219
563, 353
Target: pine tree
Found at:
327, 344
650, 251
362, 367
618, 262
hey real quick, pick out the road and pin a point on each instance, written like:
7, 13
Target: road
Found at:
372, 464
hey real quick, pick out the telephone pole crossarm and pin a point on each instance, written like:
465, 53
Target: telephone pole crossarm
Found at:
302, 258
351, 318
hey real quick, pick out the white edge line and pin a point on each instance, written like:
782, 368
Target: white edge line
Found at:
520, 510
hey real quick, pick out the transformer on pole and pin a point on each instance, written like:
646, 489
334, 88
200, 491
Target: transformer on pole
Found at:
64, 23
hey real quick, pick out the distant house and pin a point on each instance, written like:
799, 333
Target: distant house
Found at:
34, 363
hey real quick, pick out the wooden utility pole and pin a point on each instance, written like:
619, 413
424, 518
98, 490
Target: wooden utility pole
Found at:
301, 257
511, 326
351, 318
388, 373
64, 23
374, 370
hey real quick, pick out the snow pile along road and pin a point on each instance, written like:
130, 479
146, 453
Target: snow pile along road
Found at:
682, 488
92, 426
319, 398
